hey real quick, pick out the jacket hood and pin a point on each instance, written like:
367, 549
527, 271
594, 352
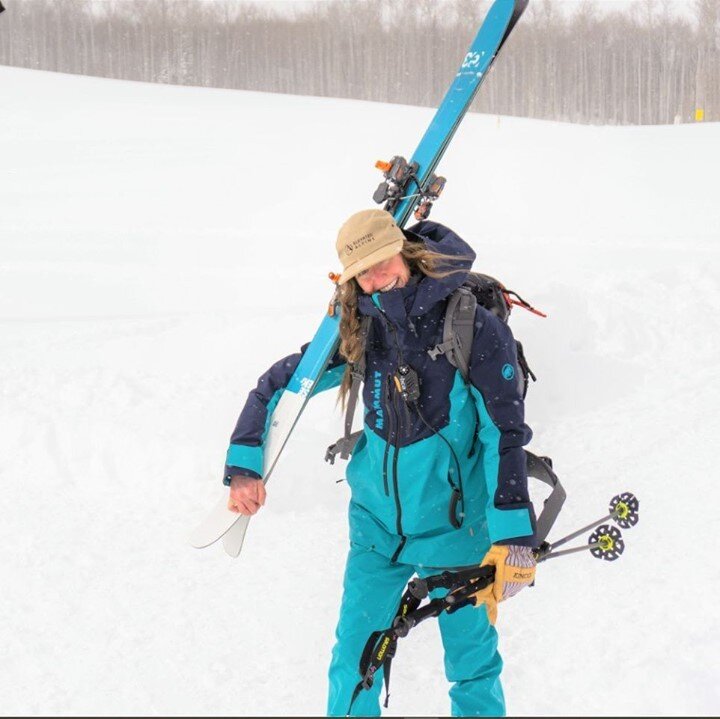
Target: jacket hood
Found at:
420, 296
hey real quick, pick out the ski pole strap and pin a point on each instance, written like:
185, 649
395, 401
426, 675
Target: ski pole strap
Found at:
541, 468
377, 654
380, 649
381, 646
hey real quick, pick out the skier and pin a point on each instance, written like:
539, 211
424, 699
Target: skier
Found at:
438, 477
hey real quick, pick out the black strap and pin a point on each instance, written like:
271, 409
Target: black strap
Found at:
381, 646
541, 468
458, 330
458, 335
377, 654
345, 445
353, 394
527, 373
380, 649
463, 328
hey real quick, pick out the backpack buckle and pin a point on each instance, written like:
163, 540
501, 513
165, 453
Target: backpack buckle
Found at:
440, 349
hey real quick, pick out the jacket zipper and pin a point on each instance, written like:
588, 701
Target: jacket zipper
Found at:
393, 429
392, 397
376, 301
387, 448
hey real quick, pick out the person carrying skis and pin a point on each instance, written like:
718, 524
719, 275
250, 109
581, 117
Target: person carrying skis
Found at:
438, 476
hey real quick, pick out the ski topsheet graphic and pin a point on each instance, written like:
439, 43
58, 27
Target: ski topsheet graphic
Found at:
409, 186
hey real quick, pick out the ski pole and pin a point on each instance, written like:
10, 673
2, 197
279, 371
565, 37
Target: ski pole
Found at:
624, 510
605, 542
563, 552
565, 540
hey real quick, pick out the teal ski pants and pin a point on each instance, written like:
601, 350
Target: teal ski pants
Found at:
371, 593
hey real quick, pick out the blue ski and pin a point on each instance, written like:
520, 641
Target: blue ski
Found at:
409, 186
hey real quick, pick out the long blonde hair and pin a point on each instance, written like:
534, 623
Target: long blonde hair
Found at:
419, 259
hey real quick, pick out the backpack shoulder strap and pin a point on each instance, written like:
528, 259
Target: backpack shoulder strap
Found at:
345, 445
458, 330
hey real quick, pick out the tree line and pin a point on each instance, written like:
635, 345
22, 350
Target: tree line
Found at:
647, 66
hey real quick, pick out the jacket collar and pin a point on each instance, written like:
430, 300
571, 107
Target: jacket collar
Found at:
422, 293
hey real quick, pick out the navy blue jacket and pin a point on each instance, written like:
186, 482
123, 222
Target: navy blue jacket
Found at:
414, 462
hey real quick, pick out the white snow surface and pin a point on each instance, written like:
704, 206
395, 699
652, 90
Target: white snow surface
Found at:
162, 246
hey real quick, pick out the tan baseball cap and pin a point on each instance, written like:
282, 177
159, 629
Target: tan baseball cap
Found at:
366, 238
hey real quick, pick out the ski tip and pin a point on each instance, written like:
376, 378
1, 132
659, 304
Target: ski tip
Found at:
215, 525
200, 542
233, 552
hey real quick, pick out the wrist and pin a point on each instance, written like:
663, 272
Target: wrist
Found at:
231, 472
242, 480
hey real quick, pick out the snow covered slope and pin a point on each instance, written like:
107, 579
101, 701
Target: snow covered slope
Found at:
149, 272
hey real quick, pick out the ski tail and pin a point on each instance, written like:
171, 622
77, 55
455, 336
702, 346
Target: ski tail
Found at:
501, 18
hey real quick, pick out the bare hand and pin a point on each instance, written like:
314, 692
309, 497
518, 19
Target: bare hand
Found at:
247, 495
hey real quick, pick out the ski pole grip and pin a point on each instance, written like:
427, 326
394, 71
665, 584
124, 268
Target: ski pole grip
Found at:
402, 625
482, 577
418, 588
477, 577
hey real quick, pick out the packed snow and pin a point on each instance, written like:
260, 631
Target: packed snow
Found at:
161, 246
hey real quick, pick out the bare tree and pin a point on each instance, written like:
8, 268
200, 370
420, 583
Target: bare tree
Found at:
647, 66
